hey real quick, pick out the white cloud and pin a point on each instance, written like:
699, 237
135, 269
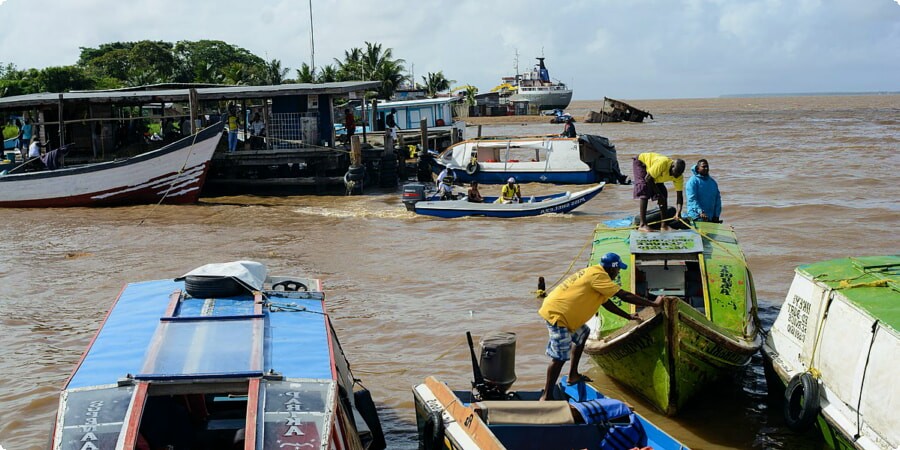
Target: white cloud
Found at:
634, 49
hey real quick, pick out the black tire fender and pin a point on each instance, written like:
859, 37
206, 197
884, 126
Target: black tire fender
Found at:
433, 431
199, 286
801, 401
473, 167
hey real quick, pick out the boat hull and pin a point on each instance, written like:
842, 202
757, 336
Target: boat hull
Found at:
706, 329
490, 176
461, 427
837, 329
671, 356
174, 174
545, 99
557, 204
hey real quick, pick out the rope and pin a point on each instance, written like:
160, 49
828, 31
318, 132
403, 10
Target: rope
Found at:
845, 284
169, 189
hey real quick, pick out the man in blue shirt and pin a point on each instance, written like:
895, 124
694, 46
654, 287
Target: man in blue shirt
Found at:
704, 202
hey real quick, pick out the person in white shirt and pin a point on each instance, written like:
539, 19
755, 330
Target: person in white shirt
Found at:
34, 150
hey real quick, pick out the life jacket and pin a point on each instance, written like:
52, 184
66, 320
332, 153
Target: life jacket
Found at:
624, 430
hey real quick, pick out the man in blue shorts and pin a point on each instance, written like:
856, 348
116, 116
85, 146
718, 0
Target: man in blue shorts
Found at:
570, 305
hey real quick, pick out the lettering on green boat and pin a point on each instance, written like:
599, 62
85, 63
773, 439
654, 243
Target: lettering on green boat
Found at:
798, 317
632, 347
725, 275
667, 243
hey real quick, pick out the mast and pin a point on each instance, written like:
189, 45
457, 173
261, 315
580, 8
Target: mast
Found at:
312, 43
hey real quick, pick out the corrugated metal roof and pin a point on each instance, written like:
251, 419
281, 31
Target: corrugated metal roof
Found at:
176, 95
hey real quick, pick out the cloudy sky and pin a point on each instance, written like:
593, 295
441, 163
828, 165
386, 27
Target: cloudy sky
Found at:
628, 49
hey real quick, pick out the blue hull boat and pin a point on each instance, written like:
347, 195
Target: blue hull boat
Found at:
559, 203
223, 357
488, 417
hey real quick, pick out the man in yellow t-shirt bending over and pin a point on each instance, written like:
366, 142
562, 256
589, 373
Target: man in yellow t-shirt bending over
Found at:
651, 171
569, 306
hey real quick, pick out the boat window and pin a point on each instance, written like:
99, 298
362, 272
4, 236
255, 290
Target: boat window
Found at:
296, 414
488, 154
522, 154
216, 419
92, 418
209, 347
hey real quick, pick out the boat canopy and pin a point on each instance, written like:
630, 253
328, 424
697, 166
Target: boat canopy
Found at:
165, 360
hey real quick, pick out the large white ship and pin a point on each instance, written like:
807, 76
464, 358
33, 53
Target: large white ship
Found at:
538, 89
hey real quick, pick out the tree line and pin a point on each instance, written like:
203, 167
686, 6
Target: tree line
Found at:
128, 64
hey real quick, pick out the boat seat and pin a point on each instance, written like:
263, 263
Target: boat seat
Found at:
531, 412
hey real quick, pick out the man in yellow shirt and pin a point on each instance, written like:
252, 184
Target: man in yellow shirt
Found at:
570, 305
510, 193
651, 171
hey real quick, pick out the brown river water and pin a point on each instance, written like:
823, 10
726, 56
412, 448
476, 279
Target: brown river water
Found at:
803, 179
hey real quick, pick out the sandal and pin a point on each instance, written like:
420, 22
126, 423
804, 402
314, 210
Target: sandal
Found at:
581, 379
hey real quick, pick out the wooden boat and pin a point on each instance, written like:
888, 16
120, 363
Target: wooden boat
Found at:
490, 418
223, 357
617, 111
173, 174
707, 328
585, 159
835, 345
557, 203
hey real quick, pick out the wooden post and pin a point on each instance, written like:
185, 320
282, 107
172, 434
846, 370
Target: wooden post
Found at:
193, 105
364, 117
423, 128
479, 130
404, 152
62, 124
355, 151
266, 123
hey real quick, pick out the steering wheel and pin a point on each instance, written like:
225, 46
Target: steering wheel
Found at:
289, 286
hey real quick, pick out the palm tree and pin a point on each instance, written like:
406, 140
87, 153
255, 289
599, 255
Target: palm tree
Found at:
274, 73
327, 74
305, 74
436, 82
374, 63
351, 67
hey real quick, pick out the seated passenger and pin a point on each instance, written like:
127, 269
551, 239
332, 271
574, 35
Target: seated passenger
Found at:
445, 189
473, 195
704, 202
510, 192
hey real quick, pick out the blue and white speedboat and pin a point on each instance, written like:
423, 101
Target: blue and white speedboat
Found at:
585, 159
558, 203
223, 357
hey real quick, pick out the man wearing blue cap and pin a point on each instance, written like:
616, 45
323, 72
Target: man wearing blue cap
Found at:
570, 305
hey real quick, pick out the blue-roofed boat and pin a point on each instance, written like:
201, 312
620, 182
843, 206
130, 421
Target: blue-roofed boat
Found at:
489, 417
224, 357
416, 200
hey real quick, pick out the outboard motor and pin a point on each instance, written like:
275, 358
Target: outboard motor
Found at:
498, 360
412, 194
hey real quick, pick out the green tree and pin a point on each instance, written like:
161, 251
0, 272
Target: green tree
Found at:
327, 74
64, 79
374, 63
274, 73
436, 82
206, 59
351, 67
305, 74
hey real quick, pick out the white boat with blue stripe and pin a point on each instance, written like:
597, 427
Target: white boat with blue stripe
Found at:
416, 200
585, 159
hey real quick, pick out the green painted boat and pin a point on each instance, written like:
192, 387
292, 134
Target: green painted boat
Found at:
834, 347
708, 325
